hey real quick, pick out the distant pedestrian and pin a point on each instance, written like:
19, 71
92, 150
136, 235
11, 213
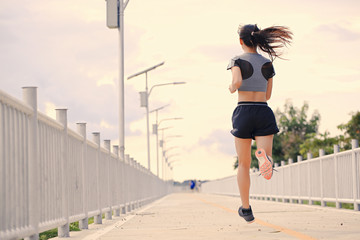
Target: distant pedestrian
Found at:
252, 78
192, 184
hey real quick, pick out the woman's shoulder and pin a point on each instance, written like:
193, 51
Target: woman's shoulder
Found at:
232, 62
236, 57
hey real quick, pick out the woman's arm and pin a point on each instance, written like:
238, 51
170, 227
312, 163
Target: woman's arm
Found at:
236, 79
269, 88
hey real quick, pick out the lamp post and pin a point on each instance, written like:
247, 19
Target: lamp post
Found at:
170, 165
171, 168
155, 128
171, 136
164, 84
164, 158
115, 19
145, 103
144, 98
162, 147
155, 131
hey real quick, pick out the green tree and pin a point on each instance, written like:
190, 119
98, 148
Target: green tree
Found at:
278, 153
314, 143
352, 130
295, 128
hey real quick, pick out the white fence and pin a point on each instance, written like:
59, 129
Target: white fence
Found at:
51, 176
331, 178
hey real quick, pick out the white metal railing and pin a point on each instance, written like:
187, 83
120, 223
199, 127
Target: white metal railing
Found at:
51, 176
328, 178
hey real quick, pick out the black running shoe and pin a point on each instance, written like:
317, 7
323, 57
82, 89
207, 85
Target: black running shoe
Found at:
246, 214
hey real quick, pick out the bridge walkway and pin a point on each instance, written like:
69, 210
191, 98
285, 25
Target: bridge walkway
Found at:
204, 216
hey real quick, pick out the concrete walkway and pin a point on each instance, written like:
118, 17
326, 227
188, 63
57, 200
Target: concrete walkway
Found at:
201, 216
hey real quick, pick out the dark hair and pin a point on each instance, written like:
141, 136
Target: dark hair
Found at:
268, 39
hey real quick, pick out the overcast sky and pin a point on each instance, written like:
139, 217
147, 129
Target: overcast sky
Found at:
65, 49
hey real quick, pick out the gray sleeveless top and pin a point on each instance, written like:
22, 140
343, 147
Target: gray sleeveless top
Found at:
256, 70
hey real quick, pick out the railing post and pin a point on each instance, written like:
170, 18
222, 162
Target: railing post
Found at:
355, 178
278, 190
290, 180
299, 160
129, 184
133, 188
143, 187
124, 183
64, 231
276, 165
309, 157
283, 181
321, 154
138, 182
96, 140
30, 98
138, 197
81, 129
107, 145
336, 151
117, 181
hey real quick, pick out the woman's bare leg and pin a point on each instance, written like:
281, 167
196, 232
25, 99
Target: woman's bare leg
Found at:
243, 150
266, 143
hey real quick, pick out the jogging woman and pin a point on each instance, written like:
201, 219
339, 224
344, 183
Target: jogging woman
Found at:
252, 78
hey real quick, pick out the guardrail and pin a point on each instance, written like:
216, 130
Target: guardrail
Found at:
51, 176
328, 178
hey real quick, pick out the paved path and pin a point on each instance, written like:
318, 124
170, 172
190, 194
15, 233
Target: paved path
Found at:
201, 216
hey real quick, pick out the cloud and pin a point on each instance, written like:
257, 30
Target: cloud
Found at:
341, 33
221, 53
106, 125
105, 81
220, 139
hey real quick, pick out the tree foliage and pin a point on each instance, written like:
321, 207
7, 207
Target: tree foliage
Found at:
316, 142
323, 141
352, 130
295, 128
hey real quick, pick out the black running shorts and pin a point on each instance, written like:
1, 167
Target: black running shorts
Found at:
251, 119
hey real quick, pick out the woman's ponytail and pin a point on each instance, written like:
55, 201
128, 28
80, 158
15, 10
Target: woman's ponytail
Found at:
268, 40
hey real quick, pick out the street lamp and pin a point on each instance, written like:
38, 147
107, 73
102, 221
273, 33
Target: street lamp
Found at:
171, 148
172, 155
115, 19
144, 97
162, 143
155, 131
166, 157
167, 119
170, 165
162, 147
171, 136
164, 84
